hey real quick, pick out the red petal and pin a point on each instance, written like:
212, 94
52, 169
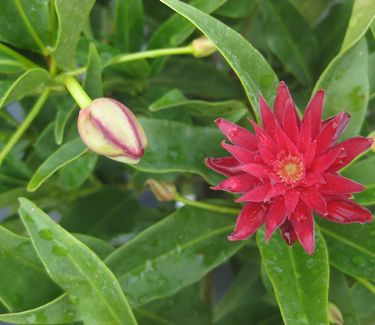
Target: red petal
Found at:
322, 163
313, 179
291, 199
275, 218
305, 132
287, 232
336, 184
283, 141
314, 200
258, 170
236, 134
309, 153
276, 190
266, 145
315, 106
291, 122
224, 165
242, 154
282, 96
237, 184
347, 211
250, 219
258, 194
352, 148
303, 224
266, 114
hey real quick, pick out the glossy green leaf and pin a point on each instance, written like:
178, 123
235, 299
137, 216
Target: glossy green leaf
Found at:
72, 16
98, 246
363, 15
237, 8
20, 273
88, 282
62, 156
65, 110
340, 295
24, 23
32, 81
362, 171
10, 66
351, 247
300, 280
232, 110
311, 10
252, 69
282, 29
129, 22
176, 29
179, 148
346, 83
367, 197
93, 83
153, 265
364, 301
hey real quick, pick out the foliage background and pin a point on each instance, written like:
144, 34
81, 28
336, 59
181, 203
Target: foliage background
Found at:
118, 246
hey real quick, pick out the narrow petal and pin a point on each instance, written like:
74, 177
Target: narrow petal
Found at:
303, 224
236, 134
258, 170
241, 154
258, 194
251, 217
266, 114
276, 190
291, 122
314, 200
322, 163
305, 132
291, 199
352, 148
315, 107
237, 184
347, 211
226, 166
282, 96
288, 233
313, 179
336, 184
275, 218
284, 142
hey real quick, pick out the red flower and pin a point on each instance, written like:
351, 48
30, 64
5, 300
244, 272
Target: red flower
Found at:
288, 169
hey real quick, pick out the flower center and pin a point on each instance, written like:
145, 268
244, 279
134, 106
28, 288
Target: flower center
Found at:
290, 169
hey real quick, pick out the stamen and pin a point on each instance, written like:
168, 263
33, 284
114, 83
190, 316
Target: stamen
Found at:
290, 169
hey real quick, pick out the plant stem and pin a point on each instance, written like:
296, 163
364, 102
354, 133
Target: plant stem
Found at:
18, 57
78, 93
207, 206
138, 56
25, 124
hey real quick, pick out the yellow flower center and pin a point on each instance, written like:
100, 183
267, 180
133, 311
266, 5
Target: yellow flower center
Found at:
290, 169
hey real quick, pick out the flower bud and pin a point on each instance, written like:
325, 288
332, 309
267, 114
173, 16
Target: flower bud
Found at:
163, 191
110, 129
334, 314
202, 47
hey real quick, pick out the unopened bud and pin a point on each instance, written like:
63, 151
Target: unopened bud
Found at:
110, 129
334, 314
163, 191
372, 136
202, 47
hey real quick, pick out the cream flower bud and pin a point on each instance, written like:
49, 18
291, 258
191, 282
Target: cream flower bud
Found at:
163, 191
110, 129
202, 47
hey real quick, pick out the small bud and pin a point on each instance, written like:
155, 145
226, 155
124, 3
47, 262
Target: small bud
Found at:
334, 314
203, 47
163, 191
110, 129
372, 136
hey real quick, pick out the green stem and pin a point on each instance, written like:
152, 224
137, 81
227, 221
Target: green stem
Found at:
18, 57
78, 93
25, 124
207, 206
139, 56
366, 284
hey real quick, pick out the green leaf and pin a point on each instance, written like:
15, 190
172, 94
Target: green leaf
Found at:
252, 69
65, 110
93, 79
351, 247
10, 66
233, 110
340, 295
311, 10
32, 81
179, 148
72, 16
20, 273
367, 197
364, 301
129, 22
153, 265
24, 23
361, 171
363, 15
300, 280
346, 83
98, 246
63, 155
237, 8
88, 282
176, 29
289, 37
